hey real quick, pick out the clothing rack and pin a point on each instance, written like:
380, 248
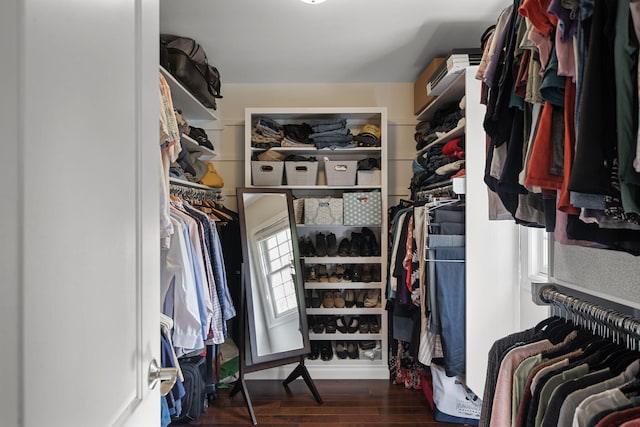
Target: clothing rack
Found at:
429, 193
604, 318
190, 191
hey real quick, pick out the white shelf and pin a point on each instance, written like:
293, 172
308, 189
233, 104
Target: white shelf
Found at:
453, 133
344, 311
192, 145
342, 285
451, 94
339, 336
316, 151
184, 183
192, 109
324, 187
334, 227
342, 260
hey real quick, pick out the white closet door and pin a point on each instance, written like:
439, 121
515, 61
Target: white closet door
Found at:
82, 252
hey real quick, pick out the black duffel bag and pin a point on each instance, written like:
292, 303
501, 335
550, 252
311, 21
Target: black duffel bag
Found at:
187, 61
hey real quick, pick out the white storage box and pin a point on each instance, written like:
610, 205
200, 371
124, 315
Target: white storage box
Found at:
301, 173
328, 210
340, 172
369, 177
267, 173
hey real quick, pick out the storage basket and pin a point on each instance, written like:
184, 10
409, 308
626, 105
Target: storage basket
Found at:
328, 210
267, 173
362, 208
369, 177
301, 173
340, 172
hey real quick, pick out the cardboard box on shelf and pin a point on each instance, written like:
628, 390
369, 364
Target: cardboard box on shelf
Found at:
420, 98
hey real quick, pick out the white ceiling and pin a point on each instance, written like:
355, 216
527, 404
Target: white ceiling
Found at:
339, 41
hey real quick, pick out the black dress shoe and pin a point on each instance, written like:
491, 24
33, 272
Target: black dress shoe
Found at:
352, 350
332, 245
330, 325
354, 249
302, 247
326, 351
375, 273
309, 248
345, 247
341, 350
315, 350
353, 325
365, 246
321, 245
341, 324
372, 243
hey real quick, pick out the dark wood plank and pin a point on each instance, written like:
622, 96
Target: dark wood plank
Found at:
347, 403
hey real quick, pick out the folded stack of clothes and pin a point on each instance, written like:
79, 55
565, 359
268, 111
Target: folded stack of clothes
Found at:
444, 120
331, 133
266, 133
439, 163
297, 135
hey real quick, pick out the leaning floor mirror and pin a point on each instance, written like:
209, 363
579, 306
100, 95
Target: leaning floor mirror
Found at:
273, 310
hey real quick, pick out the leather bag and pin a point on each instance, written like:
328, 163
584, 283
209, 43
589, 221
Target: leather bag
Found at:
187, 61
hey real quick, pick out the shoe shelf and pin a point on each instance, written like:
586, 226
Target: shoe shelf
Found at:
342, 260
338, 336
323, 311
342, 285
333, 227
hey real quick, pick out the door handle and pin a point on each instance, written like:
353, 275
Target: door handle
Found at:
165, 376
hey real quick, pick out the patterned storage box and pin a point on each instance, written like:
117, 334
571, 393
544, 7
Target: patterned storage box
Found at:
323, 211
362, 208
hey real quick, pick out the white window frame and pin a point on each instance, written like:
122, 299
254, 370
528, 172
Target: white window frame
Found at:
275, 317
539, 242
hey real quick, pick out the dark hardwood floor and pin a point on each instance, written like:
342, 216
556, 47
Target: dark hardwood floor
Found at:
354, 403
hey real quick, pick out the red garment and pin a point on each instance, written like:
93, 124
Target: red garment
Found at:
537, 12
453, 150
461, 172
617, 418
542, 155
407, 262
564, 204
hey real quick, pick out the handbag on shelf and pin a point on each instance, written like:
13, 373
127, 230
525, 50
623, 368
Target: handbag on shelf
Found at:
187, 61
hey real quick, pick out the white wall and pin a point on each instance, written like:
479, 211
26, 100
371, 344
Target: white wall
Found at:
397, 97
10, 322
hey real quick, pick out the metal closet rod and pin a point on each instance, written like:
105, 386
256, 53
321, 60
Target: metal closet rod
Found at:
603, 320
195, 193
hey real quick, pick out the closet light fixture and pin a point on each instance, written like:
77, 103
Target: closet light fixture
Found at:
313, 1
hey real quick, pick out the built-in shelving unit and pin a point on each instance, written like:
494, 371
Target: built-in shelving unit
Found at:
369, 364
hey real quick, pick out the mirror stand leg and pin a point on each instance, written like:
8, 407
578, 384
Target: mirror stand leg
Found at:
241, 386
301, 371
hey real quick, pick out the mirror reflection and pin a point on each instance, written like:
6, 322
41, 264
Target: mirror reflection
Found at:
274, 311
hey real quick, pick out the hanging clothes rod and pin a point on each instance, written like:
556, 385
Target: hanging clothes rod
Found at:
601, 319
188, 191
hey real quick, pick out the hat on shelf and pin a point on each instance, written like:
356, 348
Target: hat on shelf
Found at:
369, 135
271, 156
